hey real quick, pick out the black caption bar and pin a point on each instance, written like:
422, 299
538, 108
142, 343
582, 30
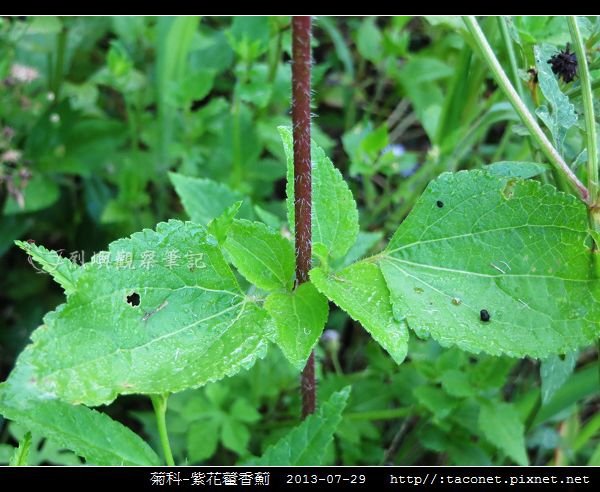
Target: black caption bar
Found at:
307, 478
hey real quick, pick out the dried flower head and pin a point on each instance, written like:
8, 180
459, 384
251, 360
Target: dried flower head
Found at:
564, 64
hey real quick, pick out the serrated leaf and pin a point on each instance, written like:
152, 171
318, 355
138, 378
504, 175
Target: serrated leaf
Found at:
261, 255
90, 434
517, 169
300, 317
334, 213
514, 248
306, 444
554, 372
219, 226
361, 291
561, 115
500, 424
63, 270
205, 199
191, 324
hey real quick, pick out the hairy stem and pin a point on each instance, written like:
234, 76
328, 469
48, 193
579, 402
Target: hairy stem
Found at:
159, 402
301, 70
588, 108
526, 117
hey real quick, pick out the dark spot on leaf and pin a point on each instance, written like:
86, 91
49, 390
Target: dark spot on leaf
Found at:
484, 315
439, 203
562, 356
133, 299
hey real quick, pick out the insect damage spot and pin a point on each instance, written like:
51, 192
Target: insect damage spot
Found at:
133, 299
484, 315
508, 190
439, 203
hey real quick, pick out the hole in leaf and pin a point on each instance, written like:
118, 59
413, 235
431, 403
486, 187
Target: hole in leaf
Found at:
484, 315
439, 203
133, 299
508, 190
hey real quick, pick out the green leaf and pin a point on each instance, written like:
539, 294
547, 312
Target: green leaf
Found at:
219, 226
364, 243
63, 270
261, 255
249, 36
334, 213
435, 400
500, 424
554, 372
515, 248
244, 411
456, 383
204, 199
90, 434
202, 439
235, 436
580, 385
514, 169
361, 291
300, 317
158, 313
561, 115
39, 193
369, 40
305, 445
19, 457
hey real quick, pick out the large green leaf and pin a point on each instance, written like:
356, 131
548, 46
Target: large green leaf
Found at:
191, 324
63, 270
263, 256
500, 424
305, 445
334, 213
205, 199
90, 434
517, 249
300, 317
361, 291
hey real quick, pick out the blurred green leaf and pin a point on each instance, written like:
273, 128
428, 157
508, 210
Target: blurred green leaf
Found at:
305, 444
500, 424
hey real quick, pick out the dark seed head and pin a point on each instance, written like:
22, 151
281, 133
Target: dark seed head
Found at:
439, 203
484, 315
564, 64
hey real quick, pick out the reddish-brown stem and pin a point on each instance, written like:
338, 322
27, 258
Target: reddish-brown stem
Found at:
301, 67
